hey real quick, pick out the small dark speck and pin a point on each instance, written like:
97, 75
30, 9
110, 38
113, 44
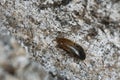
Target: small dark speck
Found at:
65, 2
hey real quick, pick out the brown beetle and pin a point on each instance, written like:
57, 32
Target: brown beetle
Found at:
71, 47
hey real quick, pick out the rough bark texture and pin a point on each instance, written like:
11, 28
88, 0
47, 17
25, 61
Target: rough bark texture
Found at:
35, 24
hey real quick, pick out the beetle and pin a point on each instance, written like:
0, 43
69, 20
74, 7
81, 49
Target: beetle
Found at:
71, 47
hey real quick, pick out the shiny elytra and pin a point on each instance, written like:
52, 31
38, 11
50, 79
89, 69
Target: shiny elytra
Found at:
71, 47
